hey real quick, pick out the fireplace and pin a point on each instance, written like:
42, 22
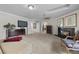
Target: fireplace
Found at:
63, 32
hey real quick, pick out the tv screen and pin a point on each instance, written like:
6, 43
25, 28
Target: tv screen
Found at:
22, 23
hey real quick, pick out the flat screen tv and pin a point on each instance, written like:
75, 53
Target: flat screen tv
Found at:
22, 23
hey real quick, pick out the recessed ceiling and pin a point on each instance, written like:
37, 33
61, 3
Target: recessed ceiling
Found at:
40, 12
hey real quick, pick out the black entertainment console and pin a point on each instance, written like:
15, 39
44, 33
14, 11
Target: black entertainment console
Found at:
16, 32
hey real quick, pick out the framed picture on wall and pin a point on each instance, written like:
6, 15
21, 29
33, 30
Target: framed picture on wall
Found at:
60, 22
70, 21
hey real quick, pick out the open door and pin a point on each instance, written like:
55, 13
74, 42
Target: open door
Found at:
49, 29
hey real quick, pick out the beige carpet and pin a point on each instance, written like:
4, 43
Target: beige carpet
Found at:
38, 43
0, 51
45, 43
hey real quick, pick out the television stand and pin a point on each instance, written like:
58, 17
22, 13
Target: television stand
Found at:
16, 32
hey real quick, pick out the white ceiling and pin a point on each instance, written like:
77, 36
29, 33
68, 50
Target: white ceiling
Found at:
40, 12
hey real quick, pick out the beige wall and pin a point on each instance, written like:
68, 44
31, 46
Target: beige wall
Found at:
31, 30
11, 18
6, 18
54, 25
77, 12
53, 22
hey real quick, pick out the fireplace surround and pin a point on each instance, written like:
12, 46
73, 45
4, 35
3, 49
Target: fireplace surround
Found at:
63, 32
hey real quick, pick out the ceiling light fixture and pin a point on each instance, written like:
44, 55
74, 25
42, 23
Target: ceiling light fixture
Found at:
31, 7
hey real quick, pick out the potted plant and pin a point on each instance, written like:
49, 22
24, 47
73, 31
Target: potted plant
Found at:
9, 27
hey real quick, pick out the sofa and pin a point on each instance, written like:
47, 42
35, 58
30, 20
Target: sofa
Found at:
71, 44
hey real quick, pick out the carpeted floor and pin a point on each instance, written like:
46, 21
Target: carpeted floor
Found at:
45, 43
39, 43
